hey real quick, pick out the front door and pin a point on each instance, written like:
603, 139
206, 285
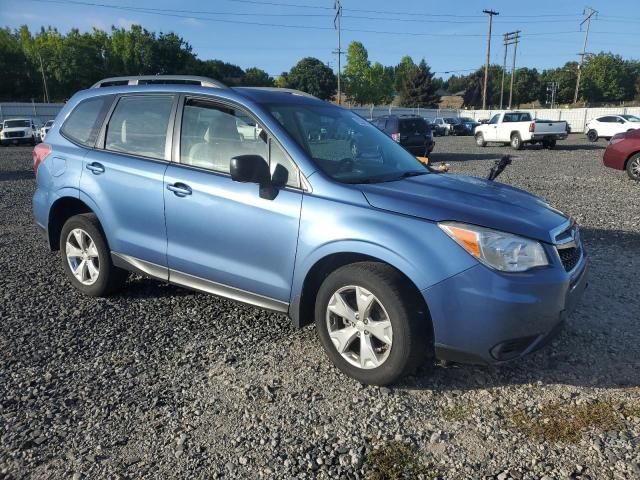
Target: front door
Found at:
222, 236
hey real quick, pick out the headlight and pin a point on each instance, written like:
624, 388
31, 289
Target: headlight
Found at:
503, 251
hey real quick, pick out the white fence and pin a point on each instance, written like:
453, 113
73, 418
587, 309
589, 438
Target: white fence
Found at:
575, 117
40, 112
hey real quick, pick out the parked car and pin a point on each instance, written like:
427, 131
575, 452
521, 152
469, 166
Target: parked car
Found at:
441, 127
623, 153
410, 131
518, 128
464, 126
607, 126
18, 130
392, 261
45, 129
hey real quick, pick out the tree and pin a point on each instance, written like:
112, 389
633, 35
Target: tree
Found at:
255, 77
526, 86
607, 78
402, 70
312, 76
282, 80
419, 88
566, 78
357, 74
474, 86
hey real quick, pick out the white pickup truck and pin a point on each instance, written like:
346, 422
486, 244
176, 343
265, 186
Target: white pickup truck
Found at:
518, 128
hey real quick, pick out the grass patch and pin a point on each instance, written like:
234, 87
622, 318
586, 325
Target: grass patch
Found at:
455, 413
396, 461
567, 423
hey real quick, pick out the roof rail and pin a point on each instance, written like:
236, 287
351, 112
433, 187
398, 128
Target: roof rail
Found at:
159, 80
283, 90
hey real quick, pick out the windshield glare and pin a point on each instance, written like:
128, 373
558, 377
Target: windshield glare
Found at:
344, 145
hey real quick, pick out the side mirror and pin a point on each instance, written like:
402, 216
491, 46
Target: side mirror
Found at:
253, 169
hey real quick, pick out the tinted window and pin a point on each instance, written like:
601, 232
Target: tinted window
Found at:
17, 123
83, 124
630, 118
414, 125
516, 117
139, 125
213, 134
494, 119
608, 119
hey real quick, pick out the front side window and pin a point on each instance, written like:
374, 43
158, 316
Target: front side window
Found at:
213, 134
349, 149
494, 119
139, 125
83, 123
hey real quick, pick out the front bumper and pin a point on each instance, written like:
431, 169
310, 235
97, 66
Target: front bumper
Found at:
16, 140
481, 316
614, 157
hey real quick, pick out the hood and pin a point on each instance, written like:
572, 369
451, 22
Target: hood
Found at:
439, 197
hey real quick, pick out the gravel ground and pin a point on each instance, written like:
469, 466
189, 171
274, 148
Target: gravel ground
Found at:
161, 382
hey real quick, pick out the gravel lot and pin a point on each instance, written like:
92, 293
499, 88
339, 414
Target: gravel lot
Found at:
161, 382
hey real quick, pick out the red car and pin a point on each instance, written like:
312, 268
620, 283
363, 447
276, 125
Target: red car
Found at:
623, 153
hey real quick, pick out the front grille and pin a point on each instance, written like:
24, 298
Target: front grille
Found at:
569, 257
14, 134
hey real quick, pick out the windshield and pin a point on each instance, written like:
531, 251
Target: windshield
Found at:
344, 145
467, 120
630, 118
451, 120
49, 123
16, 123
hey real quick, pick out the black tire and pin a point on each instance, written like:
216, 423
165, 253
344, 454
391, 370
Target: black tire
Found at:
110, 278
592, 135
516, 141
633, 167
409, 319
480, 142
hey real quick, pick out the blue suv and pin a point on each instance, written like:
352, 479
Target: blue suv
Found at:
232, 191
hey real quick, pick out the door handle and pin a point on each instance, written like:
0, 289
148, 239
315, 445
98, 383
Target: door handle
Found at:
95, 168
180, 189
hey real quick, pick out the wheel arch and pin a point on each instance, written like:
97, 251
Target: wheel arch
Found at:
631, 155
301, 309
61, 210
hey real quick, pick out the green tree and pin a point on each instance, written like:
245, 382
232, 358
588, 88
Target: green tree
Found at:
18, 78
357, 74
402, 70
282, 80
475, 84
312, 76
419, 88
526, 86
255, 77
565, 76
607, 78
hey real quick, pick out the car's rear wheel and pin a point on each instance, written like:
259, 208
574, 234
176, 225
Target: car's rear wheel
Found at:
371, 325
86, 257
592, 135
633, 167
480, 140
516, 141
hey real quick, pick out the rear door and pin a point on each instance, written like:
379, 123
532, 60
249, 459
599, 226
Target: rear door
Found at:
223, 237
123, 177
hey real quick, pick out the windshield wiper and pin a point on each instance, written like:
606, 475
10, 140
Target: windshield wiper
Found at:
413, 173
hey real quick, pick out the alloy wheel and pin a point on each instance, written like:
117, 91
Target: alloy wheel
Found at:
82, 256
359, 327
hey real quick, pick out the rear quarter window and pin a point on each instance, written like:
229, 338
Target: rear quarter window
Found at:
83, 123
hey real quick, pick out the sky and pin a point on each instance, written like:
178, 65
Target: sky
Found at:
274, 34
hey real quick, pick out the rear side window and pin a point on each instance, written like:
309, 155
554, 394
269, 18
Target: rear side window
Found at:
83, 123
138, 125
417, 125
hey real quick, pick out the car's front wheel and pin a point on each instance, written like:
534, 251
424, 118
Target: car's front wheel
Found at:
480, 140
633, 167
86, 258
370, 324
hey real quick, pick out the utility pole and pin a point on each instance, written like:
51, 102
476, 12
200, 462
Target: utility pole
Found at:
44, 81
589, 12
509, 39
552, 93
491, 13
513, 68
336, 24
